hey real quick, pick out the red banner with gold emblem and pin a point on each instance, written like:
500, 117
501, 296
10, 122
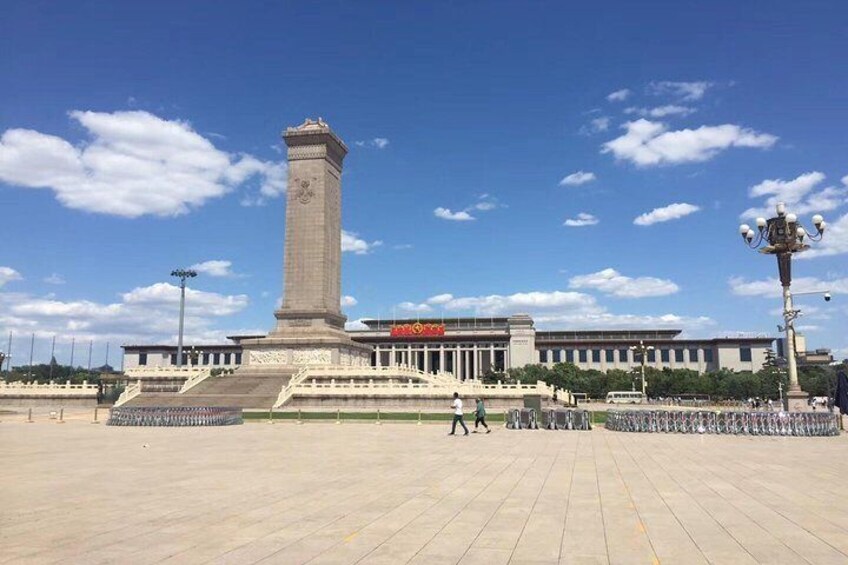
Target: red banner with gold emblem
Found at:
418, 330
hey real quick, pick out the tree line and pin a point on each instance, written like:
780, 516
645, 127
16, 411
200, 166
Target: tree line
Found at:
668, 383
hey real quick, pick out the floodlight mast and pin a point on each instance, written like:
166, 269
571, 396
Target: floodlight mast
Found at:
642, 351
782, 236
182, 274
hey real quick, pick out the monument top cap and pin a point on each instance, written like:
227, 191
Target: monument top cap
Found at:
311, 125
312, 131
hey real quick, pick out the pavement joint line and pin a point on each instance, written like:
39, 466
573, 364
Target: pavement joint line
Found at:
568, 498
387, 540
492, 515
401, 475
600, 498
535, 502
641, 522
459, 511
662, 499
778, 510
696, 469
458, 472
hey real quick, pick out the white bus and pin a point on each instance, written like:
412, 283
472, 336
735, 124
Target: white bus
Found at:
625, 397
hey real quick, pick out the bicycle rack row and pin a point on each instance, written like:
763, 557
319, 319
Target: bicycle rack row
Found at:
174, 416
552, 419
731, 422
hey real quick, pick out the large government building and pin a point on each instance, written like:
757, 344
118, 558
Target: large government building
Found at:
470, 347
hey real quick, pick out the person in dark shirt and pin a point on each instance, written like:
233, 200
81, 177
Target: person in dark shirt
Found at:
480, 416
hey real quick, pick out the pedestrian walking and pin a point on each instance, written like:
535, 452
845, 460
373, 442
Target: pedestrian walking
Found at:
457, 415
480, 416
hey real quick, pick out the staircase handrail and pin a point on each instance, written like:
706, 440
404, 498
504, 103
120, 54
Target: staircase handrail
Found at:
195, 380
130, 392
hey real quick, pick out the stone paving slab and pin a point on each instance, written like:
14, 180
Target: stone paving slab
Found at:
360, 493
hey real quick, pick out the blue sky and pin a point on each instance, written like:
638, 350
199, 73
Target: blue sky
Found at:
587, 164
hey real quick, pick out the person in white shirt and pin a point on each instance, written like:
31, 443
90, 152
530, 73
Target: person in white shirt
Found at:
457, 415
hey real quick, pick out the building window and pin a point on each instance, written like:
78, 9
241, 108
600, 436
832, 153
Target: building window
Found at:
693, 355
665, 355
596, 356
622, 355
569, 356
610, 355
142, 359
227, 358
745, 354
652, 356
173, 359
216, 358
238, 358
557, 355
708, 355
582, 355
678, 356
543, 356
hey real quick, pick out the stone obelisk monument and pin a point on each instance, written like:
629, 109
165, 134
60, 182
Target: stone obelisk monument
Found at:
310, 324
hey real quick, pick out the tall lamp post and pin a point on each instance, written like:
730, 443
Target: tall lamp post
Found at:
782, 236
182, 274
194, 356
642, 351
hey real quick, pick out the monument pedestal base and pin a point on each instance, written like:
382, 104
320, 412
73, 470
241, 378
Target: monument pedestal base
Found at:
796, 401
304, 351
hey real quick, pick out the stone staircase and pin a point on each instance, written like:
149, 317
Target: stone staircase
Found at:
242, 389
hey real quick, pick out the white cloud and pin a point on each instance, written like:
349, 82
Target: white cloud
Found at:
485, 203
686, 91
348, 301
413, 307
378, 142
662, 111
771, 288
145, 314
649, 143
134, 164
582, 219
446, 214
562, 310
798, 195
666, 213
351, 242
357, 324
215, 268
578, 178
8, 274
610, 281
619, 95
596, 125
54, 278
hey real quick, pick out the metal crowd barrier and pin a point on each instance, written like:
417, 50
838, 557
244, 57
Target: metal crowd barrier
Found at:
522, 419
566, 419
731, 422
174, 416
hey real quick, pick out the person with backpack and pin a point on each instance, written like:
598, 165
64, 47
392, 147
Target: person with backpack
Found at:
480, 416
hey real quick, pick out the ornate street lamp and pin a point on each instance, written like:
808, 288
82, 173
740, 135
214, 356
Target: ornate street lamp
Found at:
782, 236
193, 356
642, 351
182, 274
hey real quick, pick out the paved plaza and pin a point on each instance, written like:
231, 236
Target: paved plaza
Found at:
398, 493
